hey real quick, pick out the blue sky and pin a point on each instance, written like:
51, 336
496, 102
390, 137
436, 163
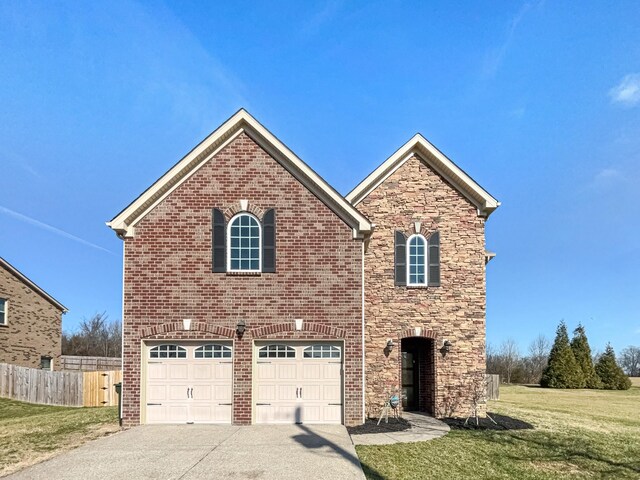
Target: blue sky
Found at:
538, 101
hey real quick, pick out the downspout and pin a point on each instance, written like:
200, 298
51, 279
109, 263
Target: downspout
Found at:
364, 381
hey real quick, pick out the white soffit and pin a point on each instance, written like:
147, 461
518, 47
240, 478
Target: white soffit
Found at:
421, 147
123, 223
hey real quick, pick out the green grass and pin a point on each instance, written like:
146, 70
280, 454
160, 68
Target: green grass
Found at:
575, 434
31, 433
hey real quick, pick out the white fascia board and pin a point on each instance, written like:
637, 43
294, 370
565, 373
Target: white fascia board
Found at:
242, 121
436, 160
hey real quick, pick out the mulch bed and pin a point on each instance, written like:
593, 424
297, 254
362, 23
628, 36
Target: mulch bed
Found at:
503, 423
394, 425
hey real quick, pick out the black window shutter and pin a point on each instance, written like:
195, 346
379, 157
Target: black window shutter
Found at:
218, 240
269, 241
400, 259
433, 259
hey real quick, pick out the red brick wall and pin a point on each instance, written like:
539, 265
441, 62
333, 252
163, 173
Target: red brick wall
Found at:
168, 273
34, 326
454, 311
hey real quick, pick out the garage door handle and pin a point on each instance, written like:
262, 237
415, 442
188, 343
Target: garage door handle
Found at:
334, 404
225, 404
297, 390
262, 404
150, 404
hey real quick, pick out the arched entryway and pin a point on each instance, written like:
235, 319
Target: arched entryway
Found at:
417, 358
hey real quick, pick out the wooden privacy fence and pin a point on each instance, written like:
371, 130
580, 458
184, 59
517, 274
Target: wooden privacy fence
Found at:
71, 389
98, 389
89, 364
493, 387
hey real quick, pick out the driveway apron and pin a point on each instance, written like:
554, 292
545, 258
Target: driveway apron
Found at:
209, 451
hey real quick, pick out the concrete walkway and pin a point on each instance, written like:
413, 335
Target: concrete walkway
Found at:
209, 451
422, 428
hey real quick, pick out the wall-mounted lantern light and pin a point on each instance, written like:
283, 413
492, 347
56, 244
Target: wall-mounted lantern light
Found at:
390, 345
241, 327
446, 347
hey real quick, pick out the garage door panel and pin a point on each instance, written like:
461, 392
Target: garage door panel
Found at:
305, 388
177, 372
156, 371
187, 388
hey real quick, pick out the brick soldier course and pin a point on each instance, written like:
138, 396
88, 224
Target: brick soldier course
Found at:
33, 326
320, 276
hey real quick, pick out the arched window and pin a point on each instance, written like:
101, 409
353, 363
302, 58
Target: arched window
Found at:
213, 350
276, 351
244, 244
416, 260
168, 351
321, 351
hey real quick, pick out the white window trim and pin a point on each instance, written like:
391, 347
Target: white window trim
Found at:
426, 261
5, 321
229, 269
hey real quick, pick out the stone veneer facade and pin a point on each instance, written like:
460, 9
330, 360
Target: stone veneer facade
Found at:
34, 325
168, 275
454, 311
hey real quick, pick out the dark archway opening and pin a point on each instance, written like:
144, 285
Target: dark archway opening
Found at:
418, 374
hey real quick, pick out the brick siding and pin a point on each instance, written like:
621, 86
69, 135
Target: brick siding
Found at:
168, 274
34, 325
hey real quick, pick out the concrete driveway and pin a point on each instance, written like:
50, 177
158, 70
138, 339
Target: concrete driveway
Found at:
209, 451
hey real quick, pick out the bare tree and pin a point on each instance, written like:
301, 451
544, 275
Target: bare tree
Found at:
538, 357
96, 336
510, 357
629, 360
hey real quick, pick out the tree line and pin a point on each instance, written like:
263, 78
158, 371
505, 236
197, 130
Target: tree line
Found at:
95, 337
563, 364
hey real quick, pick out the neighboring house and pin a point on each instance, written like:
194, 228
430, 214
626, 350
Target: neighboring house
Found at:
30, 321
256, 293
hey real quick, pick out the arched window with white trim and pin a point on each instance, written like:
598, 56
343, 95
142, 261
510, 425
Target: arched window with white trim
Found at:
417, 260
168, 351
244, 244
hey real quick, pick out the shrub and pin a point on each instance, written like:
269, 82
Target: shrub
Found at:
610, 373
562, 370
582, 354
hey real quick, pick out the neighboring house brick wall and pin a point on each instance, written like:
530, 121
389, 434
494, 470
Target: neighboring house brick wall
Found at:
454, 311
34, 325
168, 275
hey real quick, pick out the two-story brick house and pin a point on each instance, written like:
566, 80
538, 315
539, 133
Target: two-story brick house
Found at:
30, 321
256, 293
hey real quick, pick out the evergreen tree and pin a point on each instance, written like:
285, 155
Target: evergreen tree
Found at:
582, 354
562, 369
610, 373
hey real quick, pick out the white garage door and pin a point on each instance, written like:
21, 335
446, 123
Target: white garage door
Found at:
298, 383
189, 383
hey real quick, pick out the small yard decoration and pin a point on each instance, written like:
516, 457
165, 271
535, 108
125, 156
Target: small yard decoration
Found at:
391, 404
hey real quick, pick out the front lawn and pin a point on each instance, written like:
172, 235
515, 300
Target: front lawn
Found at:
573, 434
31, 433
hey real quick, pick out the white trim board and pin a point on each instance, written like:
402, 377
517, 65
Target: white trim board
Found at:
124, 222
422, 148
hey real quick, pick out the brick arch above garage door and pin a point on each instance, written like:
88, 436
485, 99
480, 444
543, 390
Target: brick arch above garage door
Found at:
318, 328
169, 327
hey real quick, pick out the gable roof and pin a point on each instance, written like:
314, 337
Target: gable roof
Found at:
24, 279
421, 147
124, 222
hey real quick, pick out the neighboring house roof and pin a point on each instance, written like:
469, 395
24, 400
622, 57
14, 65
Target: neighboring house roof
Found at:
421, 147
24, 279
242, 121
